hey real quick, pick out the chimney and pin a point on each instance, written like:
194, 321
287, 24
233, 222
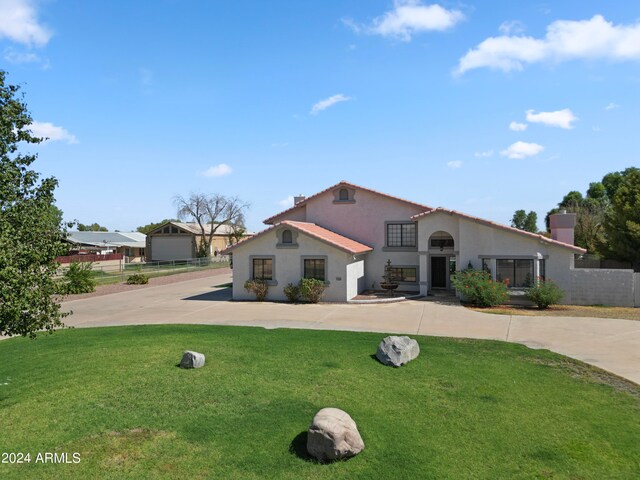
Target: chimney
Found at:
299, 198
562, 225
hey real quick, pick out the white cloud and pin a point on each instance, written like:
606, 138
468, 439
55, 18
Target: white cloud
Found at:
454, 164
19, 23
517, 127
51, 132
217, 171
612, 106
286, 202
511, 26
16, 57
327, 102
488, 153
590, 39
520, 150
408, 18
560, 118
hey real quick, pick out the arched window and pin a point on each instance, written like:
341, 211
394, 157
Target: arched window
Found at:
343, 195
287, 236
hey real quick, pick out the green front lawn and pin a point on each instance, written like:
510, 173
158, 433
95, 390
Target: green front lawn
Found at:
463, 409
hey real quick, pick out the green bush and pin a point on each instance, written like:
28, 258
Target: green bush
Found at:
544, 293
137, 279
78, 278
478, 288
258, 287
292, 292
312, 289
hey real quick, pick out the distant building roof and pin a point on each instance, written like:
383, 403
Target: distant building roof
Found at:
108, 239
193, 227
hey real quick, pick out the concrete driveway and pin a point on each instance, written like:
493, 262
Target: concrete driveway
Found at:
611, 344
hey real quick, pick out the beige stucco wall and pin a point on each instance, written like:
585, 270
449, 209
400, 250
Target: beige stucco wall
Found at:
363, 221
288, 265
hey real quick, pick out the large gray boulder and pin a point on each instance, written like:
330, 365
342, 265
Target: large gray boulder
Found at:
397, 351
192, 360
333, 435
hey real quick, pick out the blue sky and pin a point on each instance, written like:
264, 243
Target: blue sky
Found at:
484, 107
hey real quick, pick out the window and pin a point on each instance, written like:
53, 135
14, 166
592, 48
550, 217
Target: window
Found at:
518, 273
287, 236
175, 230
486, 265
314, 268
405, 274
262, 269
543, 270
343, 195
401, 234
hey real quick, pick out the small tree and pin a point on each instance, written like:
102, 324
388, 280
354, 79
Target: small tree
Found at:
525, 221
78, 278
94, 227
31, 229
212, 211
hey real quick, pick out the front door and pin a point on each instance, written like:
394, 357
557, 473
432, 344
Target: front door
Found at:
438, 272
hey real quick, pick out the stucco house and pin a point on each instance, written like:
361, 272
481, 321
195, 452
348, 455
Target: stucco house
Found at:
345, 234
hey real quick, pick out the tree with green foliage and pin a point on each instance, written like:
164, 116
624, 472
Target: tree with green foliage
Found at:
31, 229
94, 227
622, 223
150, 227
525, 221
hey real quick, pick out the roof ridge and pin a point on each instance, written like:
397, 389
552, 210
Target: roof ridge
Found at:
353, 185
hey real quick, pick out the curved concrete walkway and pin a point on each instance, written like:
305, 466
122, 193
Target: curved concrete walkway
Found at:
611, 344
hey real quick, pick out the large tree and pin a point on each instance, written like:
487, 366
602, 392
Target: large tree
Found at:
31, 229
94, 227
150, 227
525, 221
210, 212
622, 222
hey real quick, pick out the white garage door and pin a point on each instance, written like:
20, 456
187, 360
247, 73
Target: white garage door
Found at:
171, 248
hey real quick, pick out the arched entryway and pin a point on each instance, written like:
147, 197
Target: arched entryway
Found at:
441, 260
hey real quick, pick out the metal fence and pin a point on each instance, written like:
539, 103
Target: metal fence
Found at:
115, 274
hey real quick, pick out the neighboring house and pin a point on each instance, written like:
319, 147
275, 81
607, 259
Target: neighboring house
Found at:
130, 244
345, 234
180, 241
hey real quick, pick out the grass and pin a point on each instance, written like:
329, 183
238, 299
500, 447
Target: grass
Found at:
596, 311
463, 409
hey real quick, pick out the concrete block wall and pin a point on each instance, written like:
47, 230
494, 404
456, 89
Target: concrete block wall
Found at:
620, 288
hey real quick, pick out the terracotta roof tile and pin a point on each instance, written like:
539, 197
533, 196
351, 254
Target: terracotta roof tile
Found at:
332, 238
345, 184
489, 223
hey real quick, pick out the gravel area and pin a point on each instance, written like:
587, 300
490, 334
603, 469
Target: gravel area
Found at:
153, 282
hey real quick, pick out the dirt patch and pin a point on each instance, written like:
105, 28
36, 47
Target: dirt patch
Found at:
591, 374
153, 282
564, 311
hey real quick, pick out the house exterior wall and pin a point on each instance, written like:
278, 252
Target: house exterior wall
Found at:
364, 219
474, 241
288, 267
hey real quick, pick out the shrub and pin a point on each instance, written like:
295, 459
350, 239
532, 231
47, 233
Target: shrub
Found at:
312, 289
137, 279
78, 278
292, 292
544, 293
478, 288
257, 287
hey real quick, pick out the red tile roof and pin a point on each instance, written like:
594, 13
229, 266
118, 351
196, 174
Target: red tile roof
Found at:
344, 183
332, 238
489, 223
